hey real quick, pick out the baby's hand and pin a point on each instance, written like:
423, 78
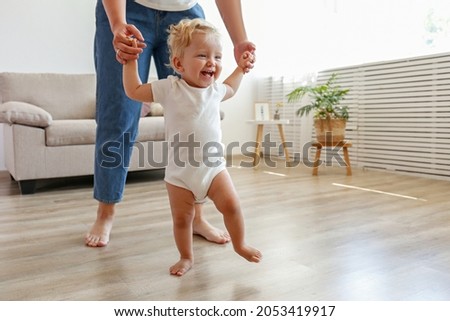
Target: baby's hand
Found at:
133, 41
246, 62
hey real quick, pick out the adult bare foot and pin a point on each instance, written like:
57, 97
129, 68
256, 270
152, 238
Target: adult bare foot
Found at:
181, 267
98, 236
213, 234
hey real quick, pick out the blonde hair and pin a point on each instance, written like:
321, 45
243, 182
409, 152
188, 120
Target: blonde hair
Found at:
180, 35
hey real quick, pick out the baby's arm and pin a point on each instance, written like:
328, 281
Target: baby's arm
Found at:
132, 83
234, 80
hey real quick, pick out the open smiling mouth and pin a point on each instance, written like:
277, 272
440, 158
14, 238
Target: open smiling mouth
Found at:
208, 73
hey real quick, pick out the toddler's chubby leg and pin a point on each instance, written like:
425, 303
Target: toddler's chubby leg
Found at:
182, 204
224, 196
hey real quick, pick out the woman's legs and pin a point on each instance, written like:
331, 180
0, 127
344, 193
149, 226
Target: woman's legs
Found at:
117, 120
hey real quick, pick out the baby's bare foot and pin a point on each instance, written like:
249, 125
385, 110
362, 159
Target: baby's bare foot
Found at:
181, 267
249, 253
211, 233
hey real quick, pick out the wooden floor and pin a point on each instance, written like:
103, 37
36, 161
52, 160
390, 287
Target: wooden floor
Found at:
371, 236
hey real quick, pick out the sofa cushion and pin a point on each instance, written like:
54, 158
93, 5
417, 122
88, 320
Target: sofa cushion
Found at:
15, 112
82, 132
70, 132
150, 129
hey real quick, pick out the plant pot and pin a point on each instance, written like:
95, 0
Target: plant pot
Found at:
330, 131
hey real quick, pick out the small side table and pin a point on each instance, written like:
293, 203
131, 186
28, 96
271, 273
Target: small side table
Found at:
345, 144
259, 134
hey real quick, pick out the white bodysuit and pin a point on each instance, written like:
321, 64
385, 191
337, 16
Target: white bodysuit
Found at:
192, 123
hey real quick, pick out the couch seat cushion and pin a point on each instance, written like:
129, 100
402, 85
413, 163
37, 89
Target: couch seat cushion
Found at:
151, 128
82, 132
70, 132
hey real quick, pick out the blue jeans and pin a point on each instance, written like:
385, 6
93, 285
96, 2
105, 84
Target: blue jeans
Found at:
117, 116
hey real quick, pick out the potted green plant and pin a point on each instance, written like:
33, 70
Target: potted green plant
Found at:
330, 117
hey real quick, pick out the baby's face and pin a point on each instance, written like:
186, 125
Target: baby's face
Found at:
202, 60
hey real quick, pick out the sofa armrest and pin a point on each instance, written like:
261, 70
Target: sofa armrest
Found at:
16, 112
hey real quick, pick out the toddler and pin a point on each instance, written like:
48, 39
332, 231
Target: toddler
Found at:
196, 168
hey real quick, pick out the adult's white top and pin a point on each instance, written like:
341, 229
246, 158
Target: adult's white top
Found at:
168, 5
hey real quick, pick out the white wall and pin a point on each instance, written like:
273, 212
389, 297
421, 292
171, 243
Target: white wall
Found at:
57, 36
47, 35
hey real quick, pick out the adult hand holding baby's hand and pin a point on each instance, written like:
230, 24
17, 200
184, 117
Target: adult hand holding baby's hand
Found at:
247, 60
123, 43
240, 49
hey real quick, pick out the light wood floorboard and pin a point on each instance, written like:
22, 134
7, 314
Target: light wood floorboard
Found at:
320, 240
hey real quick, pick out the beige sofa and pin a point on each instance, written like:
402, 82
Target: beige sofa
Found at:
49, 128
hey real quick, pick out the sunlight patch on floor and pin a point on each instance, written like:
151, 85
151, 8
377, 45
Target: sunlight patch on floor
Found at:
273, 173
379, 192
